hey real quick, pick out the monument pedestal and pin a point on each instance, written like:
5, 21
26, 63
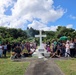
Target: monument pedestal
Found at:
41, 52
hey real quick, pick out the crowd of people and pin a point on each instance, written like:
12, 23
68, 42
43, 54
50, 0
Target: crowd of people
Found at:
56, 49
4, 48
63, 48
17, 49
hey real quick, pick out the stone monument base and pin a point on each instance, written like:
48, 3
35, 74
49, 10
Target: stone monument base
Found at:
41, 53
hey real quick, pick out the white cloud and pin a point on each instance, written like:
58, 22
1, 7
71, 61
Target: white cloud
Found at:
69, 26
72, 17
40, 26
4, 4
27, 10
51, 28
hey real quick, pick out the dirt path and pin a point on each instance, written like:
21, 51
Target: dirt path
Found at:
43, 67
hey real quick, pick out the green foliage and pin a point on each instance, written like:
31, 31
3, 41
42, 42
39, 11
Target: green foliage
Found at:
12, 34
0, 38
18, 35
63, 31
31, 32
50, 35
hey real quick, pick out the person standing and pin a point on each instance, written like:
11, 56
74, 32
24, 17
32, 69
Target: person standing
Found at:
67, 50
8, 47
4, 49
55, 46
1, 51
72, 53
75, 46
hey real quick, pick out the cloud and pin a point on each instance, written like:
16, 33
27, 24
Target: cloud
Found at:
72, 17
40, 26
38, 12
69, 26
4, 4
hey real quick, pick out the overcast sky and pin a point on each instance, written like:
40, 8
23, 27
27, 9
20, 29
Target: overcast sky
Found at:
38, 14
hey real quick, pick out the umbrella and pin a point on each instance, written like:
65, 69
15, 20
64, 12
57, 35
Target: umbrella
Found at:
63, 38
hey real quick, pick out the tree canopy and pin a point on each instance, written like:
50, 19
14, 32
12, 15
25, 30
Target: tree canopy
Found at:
12, 34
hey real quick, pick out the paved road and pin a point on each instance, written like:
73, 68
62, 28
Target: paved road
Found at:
43, 67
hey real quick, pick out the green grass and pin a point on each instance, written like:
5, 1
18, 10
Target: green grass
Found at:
67, 66
8, 67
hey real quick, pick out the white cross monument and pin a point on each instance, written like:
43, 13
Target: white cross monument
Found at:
41, 50
40, 37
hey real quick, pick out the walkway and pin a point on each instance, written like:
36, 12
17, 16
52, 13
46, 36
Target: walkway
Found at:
43, 67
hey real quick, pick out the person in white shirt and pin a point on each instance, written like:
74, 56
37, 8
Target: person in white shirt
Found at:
32, 50
67, 51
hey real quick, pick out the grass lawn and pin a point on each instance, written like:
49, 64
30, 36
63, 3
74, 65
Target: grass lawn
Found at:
8, 67
68, 66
